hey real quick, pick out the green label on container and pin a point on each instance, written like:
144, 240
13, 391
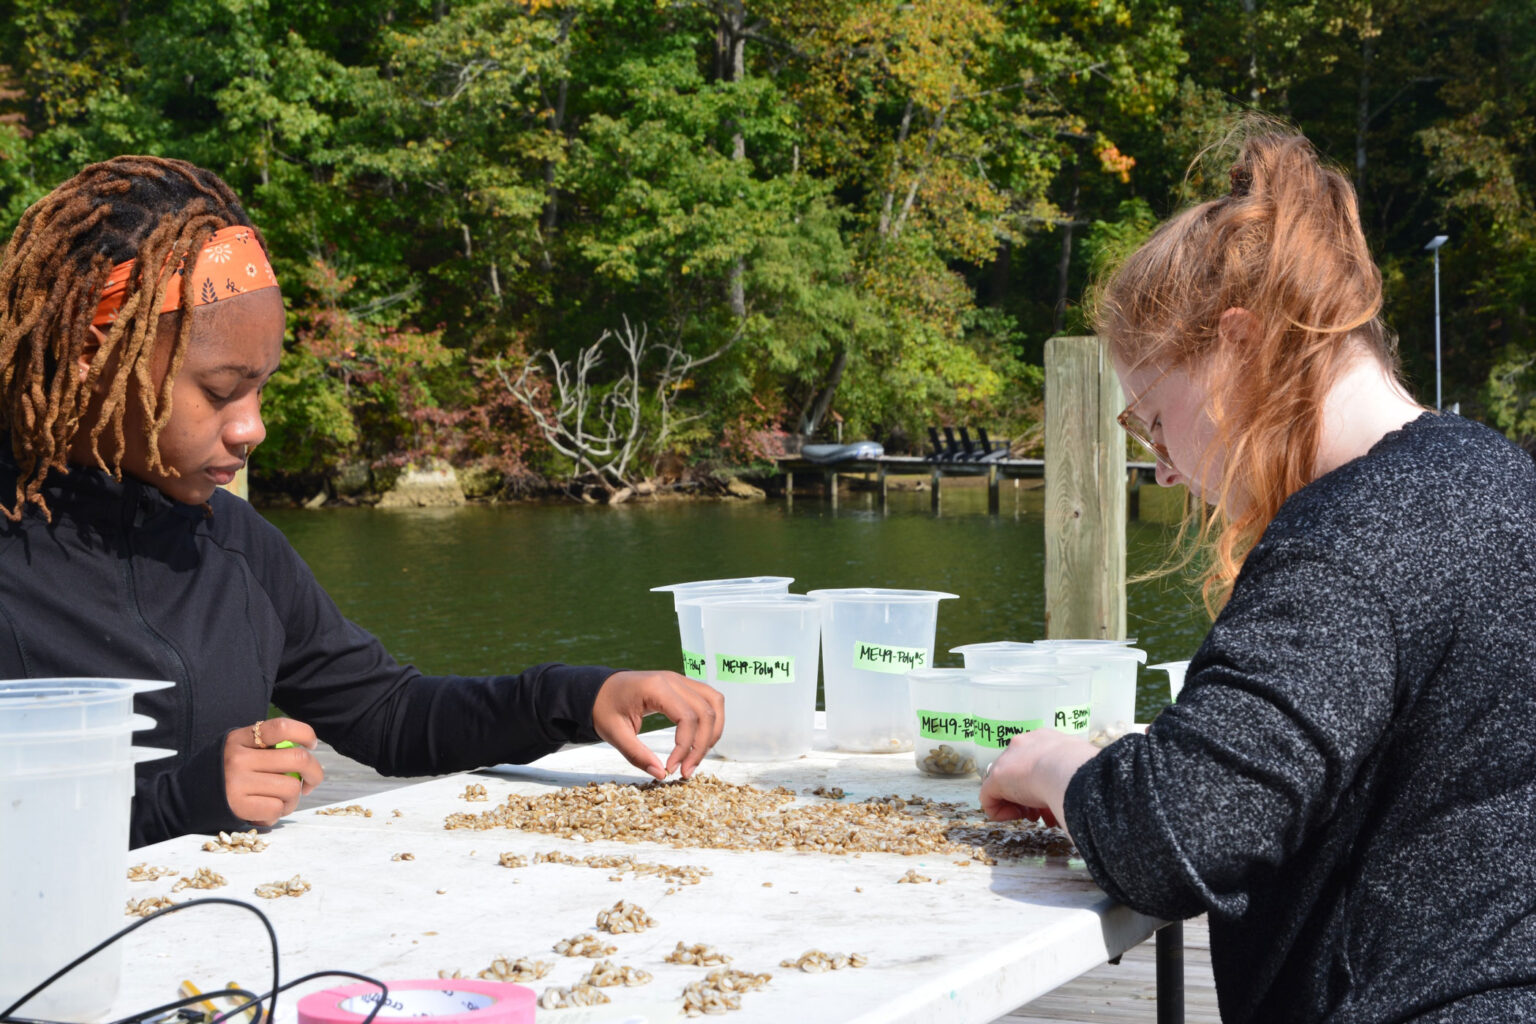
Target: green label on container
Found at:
733, 669
941, 725
883, 658
996, 732
1071, 718
693, 665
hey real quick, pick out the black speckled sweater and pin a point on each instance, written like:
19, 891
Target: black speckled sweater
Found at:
1347, 784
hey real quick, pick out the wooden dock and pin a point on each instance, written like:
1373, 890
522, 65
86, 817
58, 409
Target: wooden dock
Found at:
886, 466
936, 470
1111, 994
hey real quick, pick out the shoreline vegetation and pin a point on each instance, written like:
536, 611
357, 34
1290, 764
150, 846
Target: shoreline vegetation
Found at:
628, 241
439, 485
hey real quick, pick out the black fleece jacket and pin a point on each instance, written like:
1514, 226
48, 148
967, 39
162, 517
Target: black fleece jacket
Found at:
1347, 783
126, 583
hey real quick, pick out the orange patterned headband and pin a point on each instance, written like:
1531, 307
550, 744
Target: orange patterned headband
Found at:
231, 263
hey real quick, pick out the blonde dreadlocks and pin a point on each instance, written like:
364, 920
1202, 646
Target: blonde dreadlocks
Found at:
148, 209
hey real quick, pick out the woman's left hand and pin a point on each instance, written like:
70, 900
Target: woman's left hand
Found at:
627, 697
1029, 779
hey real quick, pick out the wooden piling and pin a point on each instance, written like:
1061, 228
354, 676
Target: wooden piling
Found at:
789, 488
1085, 501
993, 498
881, 475
933, 498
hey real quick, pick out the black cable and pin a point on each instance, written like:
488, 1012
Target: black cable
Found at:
187, 1001
5, 1015
251, 998
383, 994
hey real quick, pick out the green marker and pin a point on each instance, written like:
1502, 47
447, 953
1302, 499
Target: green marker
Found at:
284, 745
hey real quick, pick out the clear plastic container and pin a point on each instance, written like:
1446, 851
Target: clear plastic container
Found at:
689, 627
1006, 704
1113, 664
761, 653
871, 639
1175, 670
1074, 698
940, 702
66, 786
999, 654
69, 705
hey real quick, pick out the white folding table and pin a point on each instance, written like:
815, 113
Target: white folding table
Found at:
972, 944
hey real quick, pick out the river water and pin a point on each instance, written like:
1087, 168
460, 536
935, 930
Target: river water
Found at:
489, 589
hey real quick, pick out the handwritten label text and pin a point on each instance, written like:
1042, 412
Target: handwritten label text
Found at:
995, 732
1071, 719
883, 658
946, 726
739, 669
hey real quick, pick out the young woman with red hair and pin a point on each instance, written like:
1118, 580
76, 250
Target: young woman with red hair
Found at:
1347, 783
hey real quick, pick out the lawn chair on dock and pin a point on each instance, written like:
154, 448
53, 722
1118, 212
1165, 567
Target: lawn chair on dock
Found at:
991, 450
951, 445
980, 450
946, 450
964, 448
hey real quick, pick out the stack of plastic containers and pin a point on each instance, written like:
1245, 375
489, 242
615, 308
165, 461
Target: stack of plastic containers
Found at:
941, 707
1009, 702
690, 624
1113, 664
1009, 687
757, 644
1072, 710
760, 652
871, 639
66, 786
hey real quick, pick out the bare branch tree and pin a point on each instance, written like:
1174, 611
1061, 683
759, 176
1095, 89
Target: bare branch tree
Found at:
567, 426
677, 367
602, 431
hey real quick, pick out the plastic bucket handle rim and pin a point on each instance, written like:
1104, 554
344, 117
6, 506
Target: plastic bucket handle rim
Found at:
995, 645
733, 581
875, 595
85, 682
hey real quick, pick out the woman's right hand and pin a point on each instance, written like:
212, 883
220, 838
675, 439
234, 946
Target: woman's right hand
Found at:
256, 780
1029, 779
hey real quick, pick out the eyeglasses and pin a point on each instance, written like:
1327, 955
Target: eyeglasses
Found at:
1138, 429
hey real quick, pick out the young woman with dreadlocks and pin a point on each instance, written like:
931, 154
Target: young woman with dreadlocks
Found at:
139, 321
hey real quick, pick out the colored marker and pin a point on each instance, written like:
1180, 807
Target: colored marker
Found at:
284, 745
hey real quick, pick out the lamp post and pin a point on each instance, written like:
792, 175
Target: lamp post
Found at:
1433, 245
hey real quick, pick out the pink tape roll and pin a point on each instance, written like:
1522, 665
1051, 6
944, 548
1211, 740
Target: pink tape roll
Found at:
446, 1001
